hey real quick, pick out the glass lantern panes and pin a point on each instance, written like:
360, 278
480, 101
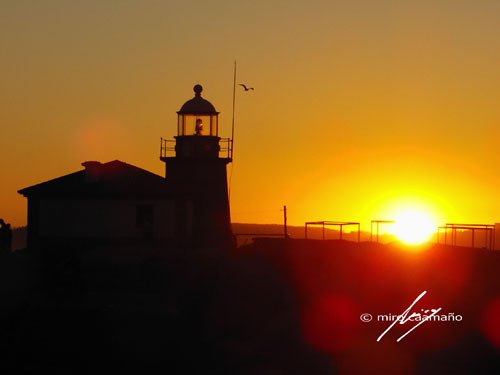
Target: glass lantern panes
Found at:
197, 125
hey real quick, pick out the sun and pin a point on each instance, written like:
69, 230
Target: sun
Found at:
413, 227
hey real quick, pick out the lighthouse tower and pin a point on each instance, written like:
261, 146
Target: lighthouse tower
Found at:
196, 172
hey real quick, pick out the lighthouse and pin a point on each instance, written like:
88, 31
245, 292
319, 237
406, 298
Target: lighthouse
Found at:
195, 168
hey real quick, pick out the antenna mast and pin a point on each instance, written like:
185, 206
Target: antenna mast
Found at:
234, 104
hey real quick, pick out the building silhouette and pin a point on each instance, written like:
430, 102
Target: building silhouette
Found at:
105, 203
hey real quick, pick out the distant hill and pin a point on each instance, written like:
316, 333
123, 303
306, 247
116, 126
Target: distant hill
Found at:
245, 233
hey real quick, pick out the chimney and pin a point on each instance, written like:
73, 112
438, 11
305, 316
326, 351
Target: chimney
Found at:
92, 171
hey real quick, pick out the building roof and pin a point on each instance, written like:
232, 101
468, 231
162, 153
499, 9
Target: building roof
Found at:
198, 105
114, 179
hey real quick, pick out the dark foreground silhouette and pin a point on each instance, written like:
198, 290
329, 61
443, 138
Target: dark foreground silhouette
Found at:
272, 307
5, 238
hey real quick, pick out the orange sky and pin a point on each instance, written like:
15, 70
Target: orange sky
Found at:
359, 105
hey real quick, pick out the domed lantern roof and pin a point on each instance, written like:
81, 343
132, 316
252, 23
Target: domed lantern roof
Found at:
198, 105
197, 116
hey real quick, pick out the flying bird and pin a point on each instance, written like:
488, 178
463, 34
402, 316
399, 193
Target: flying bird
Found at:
246, 88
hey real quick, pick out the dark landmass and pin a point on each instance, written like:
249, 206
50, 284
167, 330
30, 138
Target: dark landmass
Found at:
270, 307
295, 232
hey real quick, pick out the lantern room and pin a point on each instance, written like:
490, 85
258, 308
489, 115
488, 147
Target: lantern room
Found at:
197, 132
197, 116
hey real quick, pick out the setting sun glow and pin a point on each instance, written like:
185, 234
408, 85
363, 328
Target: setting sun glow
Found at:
413, 227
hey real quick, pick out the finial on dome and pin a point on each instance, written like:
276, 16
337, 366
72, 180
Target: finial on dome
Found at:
197, 90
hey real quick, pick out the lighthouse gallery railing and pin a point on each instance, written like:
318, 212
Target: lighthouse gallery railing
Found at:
167, 148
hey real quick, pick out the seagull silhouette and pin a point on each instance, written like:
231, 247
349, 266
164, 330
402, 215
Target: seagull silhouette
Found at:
246, 88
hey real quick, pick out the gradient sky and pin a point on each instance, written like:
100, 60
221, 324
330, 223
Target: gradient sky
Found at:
360, 107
